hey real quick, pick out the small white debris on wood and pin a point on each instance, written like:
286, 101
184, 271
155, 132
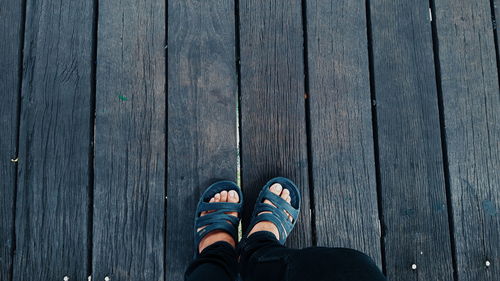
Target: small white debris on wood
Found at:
107, 278
487, 263
89, 278
66, 278
166, 197
413, 266
421, 253
430, 14
14, 160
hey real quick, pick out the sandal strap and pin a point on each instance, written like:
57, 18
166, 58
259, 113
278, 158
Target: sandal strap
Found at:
276, 214
263, 207
226, 227
217, 219
280, 203
282, 230
226, 206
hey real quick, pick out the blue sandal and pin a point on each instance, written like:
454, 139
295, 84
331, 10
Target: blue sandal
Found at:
217, 220
277, 214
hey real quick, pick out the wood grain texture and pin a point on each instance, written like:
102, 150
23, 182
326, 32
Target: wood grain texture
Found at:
496, 24
342, 148
53, 175
411, 159
273, 118
471, 100
202, 99
10, 40
129, 182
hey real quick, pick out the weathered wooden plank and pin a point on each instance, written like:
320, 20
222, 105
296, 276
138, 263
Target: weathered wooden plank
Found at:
202, 103
53, 176
496, 24
342, 149
411, 159
129, 193
10, 40
471, 103
273, 139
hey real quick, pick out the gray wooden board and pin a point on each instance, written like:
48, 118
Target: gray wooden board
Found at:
129, 181
342, 148
471, 101
273, 121
202, 96
411, 159
496, 24
53, 176
10, 40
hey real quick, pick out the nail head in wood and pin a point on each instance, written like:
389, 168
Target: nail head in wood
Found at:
66, 278
413, 266
107, 278
488, 263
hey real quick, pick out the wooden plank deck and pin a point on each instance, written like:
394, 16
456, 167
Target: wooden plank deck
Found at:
129, 142
341, 134
115, 115
52, 212
202, 99
413, 194
11, 37
273, 117
471, 100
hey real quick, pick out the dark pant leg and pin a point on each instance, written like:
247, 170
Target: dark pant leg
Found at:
263, 258
217, 262
339, 264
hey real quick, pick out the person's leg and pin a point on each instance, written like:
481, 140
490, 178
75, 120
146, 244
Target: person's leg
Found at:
217, 259
263, 258
340, 264
216, 262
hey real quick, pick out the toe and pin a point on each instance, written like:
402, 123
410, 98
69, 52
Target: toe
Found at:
204, 212
217, 197
268, 202
289, 199
276, 188
233, 197
223, 196
285, 194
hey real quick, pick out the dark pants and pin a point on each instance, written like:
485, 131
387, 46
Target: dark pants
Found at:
263, 258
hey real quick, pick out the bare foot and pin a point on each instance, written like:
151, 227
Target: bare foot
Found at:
218, 235
267, 225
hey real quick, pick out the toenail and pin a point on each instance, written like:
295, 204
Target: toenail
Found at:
232, 193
